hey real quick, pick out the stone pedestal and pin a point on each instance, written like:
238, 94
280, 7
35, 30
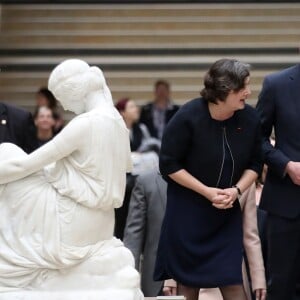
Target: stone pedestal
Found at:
72, 295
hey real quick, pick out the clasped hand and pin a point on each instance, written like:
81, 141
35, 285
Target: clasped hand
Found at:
222, 198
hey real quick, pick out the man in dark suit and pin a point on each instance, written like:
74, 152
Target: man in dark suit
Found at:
157, 114
146, 212
279, 107
17, 127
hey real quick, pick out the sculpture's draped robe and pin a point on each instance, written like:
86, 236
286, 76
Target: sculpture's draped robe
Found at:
62, 215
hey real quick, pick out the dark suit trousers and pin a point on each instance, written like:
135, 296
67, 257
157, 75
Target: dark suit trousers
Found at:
283, 257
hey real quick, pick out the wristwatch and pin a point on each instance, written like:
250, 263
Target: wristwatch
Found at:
238, 190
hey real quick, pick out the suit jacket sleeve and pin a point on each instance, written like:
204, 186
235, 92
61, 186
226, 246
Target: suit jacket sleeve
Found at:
256, 160
274, 158
252, 243
136, 222
30, 141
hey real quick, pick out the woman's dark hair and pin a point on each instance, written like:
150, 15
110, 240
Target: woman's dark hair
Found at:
224, 75
121, 104
52, 102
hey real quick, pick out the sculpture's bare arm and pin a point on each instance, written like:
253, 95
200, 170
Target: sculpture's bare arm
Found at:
66, 142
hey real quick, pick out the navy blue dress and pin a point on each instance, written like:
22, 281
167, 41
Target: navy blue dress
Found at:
200, 245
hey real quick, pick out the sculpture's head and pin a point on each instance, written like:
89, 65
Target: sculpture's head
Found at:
73, 80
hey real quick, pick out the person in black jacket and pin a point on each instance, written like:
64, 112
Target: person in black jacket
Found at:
17, 127
210, 154
279, 108
157, 114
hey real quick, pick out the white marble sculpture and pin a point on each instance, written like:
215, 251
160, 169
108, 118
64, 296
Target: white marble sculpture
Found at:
57, 204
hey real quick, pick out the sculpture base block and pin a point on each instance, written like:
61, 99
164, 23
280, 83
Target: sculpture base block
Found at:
108, 294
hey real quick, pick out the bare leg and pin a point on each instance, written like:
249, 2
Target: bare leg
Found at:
189, 292
233, 292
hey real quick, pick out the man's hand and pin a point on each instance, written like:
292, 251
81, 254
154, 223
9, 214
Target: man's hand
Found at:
293, 170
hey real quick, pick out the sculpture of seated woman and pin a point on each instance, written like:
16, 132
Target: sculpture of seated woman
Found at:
57, 204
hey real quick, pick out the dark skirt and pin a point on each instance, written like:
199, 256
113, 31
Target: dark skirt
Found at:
200, 246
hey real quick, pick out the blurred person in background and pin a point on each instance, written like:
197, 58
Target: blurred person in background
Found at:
146, 212
44, 122
45, 98
17, 127
156, 114
144, 154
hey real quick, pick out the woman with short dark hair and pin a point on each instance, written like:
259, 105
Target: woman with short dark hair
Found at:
210, 155
224, 76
